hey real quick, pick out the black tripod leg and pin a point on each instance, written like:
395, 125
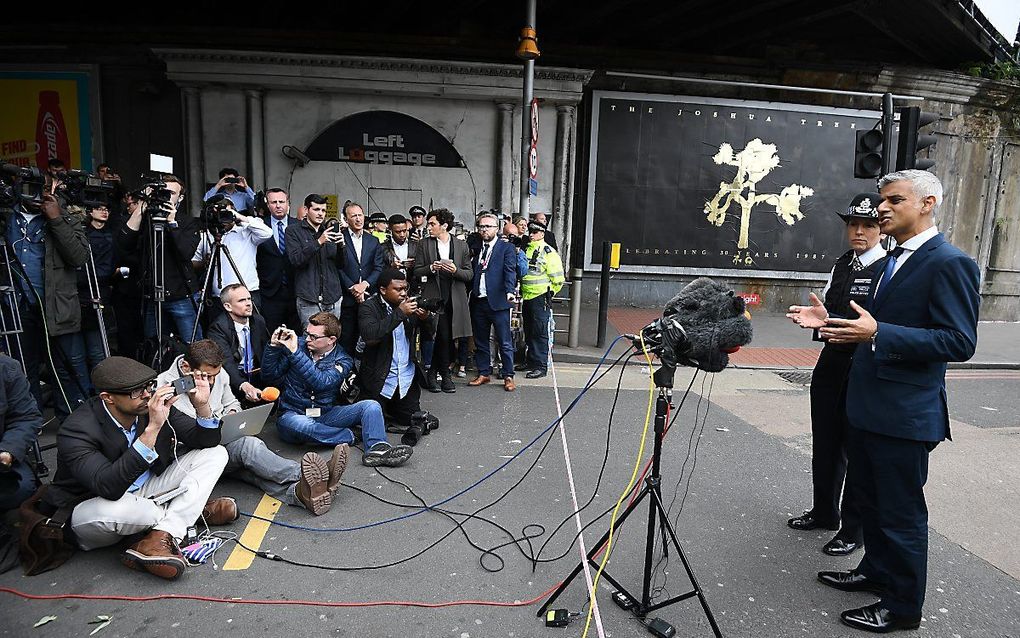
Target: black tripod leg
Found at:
593, 552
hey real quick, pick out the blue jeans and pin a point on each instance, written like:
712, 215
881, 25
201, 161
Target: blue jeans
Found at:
94, 352
536, 332
68, 363
334, 425
180, 312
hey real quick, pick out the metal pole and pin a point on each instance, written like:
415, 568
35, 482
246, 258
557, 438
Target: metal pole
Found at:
887, 131
604, 295
529, 86
575, 307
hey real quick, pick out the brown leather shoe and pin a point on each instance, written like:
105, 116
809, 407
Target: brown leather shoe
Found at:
337, 464
220, 511
157, 554
313, 486
479, 380
508, 384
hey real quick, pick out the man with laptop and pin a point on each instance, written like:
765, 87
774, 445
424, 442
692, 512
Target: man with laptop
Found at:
309, 484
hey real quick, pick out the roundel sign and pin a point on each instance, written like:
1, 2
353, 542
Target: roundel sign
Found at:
533, 161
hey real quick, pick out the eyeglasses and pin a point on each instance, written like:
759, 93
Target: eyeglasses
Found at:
310, 337
138, 393
486, 226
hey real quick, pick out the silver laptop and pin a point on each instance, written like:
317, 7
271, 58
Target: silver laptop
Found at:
244, 423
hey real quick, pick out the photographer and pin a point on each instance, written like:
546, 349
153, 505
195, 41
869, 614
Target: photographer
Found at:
398, 250
119, 450
181, 240
127, 285
235, 187
20, 421
50, 245
105, 172
313, 368
390, 323
100, 238
241, 236
443, 263
315, 249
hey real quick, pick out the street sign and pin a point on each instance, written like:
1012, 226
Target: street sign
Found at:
533, 162
534, 121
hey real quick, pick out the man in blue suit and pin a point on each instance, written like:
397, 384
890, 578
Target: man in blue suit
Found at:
495, 280
276, 274
361, 270
922, 313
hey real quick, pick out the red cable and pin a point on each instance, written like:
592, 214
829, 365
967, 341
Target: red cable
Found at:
247, 601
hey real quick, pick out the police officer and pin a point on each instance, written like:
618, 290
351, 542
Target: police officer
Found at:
544, 279
850, 279
378, 225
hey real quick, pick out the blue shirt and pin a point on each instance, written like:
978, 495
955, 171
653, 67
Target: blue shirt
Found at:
26, 235
243, 200
401, 369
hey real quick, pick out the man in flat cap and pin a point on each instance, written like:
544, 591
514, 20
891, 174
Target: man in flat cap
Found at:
544, 279
850, 279
117, 454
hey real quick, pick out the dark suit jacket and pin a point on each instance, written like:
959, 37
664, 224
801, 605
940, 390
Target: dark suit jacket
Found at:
927, 315
376, 326
20, 420
500, 274
273, 266
94, 459
367, 269
221, 330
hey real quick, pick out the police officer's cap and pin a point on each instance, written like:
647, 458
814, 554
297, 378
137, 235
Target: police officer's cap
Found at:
121, 375
415, 211
535, 225
862, 206
377, 217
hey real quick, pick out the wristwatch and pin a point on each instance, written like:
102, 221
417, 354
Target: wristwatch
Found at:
874, 336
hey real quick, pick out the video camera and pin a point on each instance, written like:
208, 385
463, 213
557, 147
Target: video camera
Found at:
156, 195
81, 188
24, 184
217, 212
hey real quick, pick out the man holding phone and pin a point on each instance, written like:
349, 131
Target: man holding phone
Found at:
315, 247
119, 450
398, 250
234, 186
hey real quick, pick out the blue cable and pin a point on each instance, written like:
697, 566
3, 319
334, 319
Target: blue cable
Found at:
423, 509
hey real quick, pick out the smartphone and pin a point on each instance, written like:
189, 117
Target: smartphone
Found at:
183, 384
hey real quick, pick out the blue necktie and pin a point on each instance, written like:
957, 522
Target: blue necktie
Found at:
281, 243
248, 363
887, 273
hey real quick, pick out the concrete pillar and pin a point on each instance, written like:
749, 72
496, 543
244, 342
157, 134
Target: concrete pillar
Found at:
505, 175
193, 140
256, 135
563, 182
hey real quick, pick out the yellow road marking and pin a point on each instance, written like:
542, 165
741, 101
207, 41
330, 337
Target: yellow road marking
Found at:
253, 534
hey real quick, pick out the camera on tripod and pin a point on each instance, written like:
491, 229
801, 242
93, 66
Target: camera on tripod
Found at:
24, 184
81, 188
217, 213
157, 197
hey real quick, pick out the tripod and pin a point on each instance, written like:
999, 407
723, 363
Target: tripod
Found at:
96, 299
653, 491
215, 265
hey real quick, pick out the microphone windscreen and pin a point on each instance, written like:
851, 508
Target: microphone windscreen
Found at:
270, 394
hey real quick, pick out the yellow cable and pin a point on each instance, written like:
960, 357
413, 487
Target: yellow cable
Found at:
630, 485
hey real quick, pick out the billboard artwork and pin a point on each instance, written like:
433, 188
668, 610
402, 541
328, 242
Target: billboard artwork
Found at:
45, 116
705, 186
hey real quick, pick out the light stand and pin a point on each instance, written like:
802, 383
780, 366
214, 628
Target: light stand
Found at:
653, 491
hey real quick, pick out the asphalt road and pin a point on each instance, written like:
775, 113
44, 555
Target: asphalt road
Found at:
750, 472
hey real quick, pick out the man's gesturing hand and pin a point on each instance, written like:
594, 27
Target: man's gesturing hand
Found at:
850, 330
812, 316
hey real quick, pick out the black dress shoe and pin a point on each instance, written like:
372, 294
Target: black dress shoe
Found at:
839, 547
849, 581
878, 619
446, 385
807, 522
535, 374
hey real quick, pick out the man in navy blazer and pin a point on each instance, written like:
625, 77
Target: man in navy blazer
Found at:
922, 313
361, 270
492, 289
276, 274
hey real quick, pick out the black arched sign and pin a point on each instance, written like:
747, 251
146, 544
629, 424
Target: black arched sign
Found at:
384, 137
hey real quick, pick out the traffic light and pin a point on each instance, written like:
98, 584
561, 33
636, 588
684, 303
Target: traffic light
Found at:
868, 153
910, 141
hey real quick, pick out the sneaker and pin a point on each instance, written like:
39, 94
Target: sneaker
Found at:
432, 382
385, 454
157, 554
220, 511
461, 374
535, 374
312, 487
337, 464
447, 385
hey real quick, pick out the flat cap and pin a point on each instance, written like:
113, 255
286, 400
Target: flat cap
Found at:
120, 374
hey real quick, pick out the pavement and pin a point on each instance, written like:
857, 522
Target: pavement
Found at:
777, 342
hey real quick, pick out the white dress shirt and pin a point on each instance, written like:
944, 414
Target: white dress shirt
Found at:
866, 258
400, 250
909, 247
482, 291
242, 241
356, 242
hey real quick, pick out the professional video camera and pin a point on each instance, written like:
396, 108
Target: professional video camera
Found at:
81, 188
25, 184
217, 212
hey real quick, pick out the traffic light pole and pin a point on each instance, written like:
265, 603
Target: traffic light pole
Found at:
887, 129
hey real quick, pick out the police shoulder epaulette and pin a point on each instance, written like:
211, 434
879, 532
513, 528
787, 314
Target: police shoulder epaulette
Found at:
548, 249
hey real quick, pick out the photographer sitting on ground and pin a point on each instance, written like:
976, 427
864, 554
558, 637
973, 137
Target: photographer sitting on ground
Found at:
118, 451
313, 368
310, 483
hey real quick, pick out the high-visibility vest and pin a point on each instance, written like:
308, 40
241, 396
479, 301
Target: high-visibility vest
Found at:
545, 271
